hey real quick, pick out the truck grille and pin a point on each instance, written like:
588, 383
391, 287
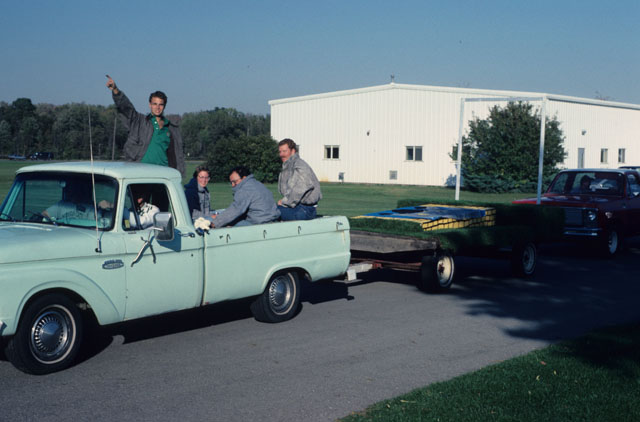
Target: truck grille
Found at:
573, 217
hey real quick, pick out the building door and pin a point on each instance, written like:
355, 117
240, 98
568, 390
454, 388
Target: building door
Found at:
580, 158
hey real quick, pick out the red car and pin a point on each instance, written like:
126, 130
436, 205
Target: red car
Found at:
599, 204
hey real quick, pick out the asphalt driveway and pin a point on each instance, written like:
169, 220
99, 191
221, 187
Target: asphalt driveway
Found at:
350, 346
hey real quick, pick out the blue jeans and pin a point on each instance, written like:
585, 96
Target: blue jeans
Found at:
299, 212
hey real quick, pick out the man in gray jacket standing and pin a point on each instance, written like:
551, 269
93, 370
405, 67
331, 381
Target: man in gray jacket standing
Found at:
152, 138
297, 184
252, 202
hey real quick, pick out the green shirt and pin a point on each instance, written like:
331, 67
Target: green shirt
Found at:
157, 151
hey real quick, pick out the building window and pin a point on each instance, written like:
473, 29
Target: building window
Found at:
414, 153
621, 152
332, 152
393, 174
604, 152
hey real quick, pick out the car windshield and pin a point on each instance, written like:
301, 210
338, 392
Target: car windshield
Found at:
61, 199
588, 183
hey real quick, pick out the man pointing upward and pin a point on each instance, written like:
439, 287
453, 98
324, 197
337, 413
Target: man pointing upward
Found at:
152, 139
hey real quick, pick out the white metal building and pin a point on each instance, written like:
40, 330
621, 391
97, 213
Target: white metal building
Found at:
403, 134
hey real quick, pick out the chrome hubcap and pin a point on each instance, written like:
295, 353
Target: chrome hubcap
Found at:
444, 270
613, 242
528, 259
280, 294
52, 333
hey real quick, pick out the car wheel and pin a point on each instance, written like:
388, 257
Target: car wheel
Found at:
280, 300
436, 272
611, 242
523, 259
48, 336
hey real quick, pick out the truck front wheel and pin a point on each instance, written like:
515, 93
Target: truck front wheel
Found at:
610, 242
280, 300
48, 336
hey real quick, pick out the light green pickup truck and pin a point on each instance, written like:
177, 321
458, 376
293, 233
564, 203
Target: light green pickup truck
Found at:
70, 250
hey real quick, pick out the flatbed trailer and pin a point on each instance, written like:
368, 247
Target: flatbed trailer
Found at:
436, 263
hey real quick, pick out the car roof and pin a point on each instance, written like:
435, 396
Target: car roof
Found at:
593, 170
116, 169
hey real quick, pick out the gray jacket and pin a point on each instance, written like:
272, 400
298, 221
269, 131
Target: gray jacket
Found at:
252, 202
298, 183
140, 132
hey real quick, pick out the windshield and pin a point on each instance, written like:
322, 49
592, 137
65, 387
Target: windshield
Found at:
588, 182
61, 199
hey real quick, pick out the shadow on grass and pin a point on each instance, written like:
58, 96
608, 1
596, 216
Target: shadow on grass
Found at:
616, 349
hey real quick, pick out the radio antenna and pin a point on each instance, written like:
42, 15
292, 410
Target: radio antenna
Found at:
93, 183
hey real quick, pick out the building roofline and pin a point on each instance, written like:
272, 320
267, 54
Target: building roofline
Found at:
464, 91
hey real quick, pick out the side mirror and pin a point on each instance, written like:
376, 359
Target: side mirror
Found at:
163, 225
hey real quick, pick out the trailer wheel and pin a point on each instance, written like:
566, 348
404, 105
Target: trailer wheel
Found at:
523, 259
436, 272
280, 300
48, 336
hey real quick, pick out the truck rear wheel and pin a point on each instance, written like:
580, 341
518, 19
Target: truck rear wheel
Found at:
48, 336
523, 259
436, 272
280, 300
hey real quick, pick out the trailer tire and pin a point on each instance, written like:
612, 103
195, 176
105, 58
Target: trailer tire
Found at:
523, 259
436, 272
280, 300
48, 336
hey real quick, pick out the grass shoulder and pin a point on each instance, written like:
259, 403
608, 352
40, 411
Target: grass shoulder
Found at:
592, 378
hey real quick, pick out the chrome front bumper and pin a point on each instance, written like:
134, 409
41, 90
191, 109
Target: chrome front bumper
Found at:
581, 232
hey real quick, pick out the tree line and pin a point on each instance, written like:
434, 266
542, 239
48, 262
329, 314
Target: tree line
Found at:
499, 152
223, 137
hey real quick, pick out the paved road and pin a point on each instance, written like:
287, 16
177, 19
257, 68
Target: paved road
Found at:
349, 347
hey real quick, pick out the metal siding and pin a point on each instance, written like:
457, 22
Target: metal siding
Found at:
400, 116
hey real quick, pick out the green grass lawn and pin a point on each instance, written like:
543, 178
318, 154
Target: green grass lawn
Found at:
593, 378
347, 199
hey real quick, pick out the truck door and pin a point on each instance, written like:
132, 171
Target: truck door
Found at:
633, 202
161, 276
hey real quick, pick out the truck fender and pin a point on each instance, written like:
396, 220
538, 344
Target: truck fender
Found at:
28, 285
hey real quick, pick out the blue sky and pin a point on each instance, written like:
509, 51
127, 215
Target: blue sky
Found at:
241, 54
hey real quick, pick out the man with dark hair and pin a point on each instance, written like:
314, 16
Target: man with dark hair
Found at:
297, 184
198, 197
152, 138
252, 203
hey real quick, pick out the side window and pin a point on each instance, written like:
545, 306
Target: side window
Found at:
142, 202
560, 184
634, 186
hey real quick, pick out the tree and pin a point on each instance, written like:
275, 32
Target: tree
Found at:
28, 135
501, 152
258, 153
6, 147
202, 130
